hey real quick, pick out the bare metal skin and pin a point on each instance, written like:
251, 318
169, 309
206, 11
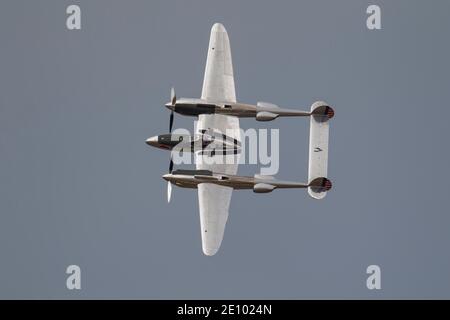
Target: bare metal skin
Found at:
207, 141
261, 112
259, 184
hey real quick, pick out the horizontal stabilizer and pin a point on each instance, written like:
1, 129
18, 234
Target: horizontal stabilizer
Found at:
318, 149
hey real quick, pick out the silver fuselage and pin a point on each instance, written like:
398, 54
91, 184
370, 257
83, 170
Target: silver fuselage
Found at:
209, 141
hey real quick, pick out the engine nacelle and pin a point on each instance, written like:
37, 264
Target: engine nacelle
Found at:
263, 188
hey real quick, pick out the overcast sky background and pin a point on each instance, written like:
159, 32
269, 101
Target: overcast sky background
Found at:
78, 185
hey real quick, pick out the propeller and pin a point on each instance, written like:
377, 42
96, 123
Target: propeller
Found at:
169, 191
169, 184
173, 100
171, 122
170, 165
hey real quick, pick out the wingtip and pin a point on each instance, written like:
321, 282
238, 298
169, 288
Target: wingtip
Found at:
218, 27
208, 251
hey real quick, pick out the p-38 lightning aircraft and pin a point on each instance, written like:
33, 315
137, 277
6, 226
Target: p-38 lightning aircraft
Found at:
218, 126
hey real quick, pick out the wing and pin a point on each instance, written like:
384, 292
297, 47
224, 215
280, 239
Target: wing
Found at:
214, 202
218, 85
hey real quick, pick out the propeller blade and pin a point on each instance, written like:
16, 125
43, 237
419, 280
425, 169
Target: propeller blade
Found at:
170, 165
171, 122
173, 97
169, 191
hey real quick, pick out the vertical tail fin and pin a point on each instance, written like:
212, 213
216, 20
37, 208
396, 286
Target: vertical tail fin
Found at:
318, 146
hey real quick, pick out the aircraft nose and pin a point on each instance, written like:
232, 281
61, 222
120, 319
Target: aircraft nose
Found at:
167, 176
152, 141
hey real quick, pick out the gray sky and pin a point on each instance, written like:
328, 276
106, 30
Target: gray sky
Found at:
79, 186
